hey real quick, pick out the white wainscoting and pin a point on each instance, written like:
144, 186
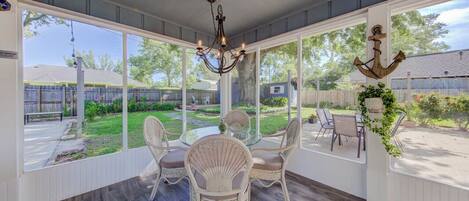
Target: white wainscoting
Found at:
405, 187
345, 175
77, 177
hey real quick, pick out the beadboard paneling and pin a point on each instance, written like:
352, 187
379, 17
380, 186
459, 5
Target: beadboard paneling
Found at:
74, 178
404, 187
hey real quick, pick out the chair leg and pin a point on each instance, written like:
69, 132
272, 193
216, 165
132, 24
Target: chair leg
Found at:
359, 142
155, 187
364, 141
319, 132
340, 140
284, 188
333, 139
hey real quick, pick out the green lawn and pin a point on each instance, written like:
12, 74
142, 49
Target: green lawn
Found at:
104, 134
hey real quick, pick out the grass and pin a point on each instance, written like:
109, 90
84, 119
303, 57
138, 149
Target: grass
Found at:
104, 134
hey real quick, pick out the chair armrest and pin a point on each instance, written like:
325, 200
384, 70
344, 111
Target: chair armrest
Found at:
173, 134
280, 150
278, 134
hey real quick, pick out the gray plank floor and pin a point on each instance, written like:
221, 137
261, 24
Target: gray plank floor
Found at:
137, 189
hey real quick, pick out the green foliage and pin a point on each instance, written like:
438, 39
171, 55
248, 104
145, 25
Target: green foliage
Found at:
67, 112
222, 127
163, 106
116, 106
382, 127
326, 104
457, 109
33, 20
91, 110
155, 57
132, 105
275, 101
104, 62
431, 107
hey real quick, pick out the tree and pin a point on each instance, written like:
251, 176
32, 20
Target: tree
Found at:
328, 57
33, 20
162, 60
89, 61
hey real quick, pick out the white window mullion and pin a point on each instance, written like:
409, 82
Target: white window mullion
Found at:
125, 138
299, 82
184, 94
258, 91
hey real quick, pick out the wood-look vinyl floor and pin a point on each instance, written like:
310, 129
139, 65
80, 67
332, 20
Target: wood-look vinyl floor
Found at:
136, 189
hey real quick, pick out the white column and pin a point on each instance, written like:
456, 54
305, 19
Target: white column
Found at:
80, 96
299, 82
184, 94
125, 144
11, 105
376, 156
258, 91
224, 93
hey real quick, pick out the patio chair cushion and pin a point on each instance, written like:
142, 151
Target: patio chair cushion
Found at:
202, 184
267, 161
173, 159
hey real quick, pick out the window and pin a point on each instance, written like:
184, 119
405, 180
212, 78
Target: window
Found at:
431, 84
154, 86
278, 67
51, 99
330, 87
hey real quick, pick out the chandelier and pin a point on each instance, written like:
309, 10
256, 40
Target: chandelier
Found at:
221, 46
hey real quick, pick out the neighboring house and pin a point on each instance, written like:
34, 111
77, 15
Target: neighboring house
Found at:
202, 84
62, 75
448, 70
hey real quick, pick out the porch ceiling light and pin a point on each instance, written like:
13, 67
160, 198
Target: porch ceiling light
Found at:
221, 46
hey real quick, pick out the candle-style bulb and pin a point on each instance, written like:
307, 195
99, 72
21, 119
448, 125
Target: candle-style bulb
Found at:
223, 40
243, 46
199, 43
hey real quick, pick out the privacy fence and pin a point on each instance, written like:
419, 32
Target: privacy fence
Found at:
56, 98
344, 98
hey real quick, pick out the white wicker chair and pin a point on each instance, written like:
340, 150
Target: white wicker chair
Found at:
218, 168
270, 163
237, 122
170, 160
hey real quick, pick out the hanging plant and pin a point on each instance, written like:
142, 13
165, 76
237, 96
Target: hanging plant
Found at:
381, 127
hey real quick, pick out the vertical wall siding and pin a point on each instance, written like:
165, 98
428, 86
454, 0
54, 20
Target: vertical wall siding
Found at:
408, 188
71, 179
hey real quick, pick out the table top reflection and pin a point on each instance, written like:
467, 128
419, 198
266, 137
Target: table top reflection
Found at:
190, 137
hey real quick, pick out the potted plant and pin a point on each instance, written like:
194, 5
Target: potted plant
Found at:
312, 119
222, 127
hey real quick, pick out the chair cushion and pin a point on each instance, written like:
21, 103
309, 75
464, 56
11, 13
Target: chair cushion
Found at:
267, 160
173, 159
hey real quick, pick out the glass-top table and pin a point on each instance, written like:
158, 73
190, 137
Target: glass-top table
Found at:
249, 139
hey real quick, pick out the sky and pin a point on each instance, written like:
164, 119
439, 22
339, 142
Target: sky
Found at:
52, 44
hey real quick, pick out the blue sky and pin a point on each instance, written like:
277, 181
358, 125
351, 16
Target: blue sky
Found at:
53, 42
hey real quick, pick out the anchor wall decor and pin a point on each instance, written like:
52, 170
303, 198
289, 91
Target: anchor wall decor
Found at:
377, 71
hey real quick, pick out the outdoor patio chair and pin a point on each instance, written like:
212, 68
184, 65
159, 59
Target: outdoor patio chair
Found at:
324, 123
328, 114
218, 168
346, 125
237, 122
400, 118
170, 160
270, 163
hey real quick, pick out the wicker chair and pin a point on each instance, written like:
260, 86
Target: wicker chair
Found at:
218, 168
237, 122
170, 160
346, 125
401, 117
270, 163
325, 124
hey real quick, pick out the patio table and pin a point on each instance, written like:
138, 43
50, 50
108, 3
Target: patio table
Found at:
190, 137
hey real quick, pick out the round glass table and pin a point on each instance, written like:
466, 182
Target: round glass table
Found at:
249, 139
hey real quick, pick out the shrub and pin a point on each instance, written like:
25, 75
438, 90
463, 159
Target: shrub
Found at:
91, 110
132, 105
457, 109
116, 106
326, 104
67, 112
101, 109
275, 101
431, 107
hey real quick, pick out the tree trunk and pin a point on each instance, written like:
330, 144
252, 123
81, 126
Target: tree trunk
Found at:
247, 79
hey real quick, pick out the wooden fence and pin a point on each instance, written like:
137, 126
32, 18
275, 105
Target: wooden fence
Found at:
56, 98
349, 97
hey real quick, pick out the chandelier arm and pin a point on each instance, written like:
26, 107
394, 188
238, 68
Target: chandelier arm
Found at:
208, 64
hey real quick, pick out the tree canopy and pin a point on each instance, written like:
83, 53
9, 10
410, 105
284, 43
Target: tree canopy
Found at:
104, 62
329, 56
33, 20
